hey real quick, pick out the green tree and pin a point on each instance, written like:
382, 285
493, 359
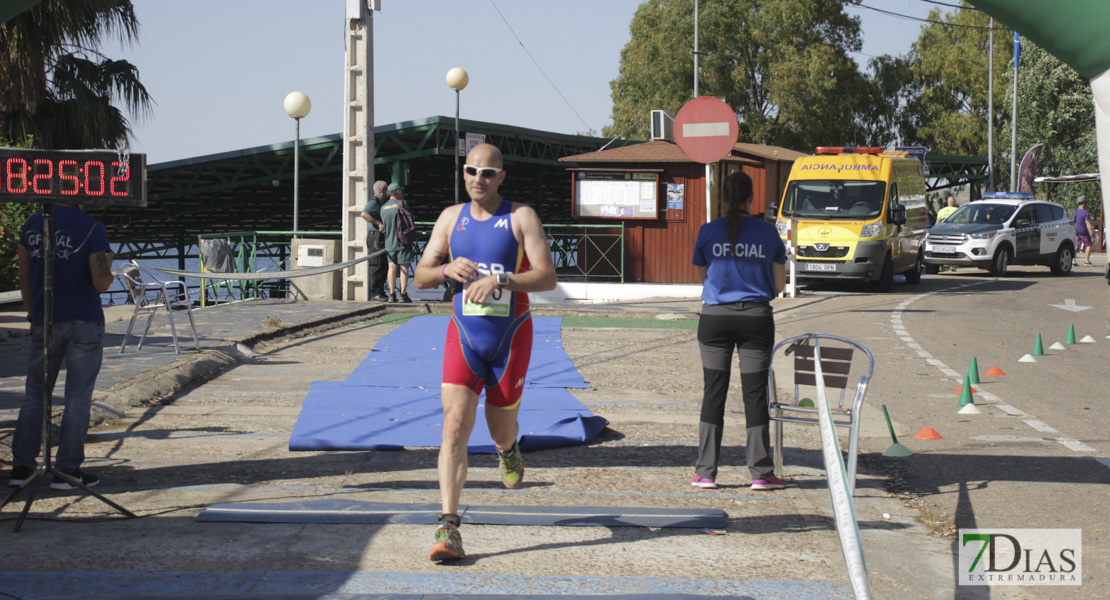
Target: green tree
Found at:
781, 64
1056, 107
946, 103
12, 217
56, 89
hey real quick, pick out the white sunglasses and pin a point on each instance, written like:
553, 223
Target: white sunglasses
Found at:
486, 172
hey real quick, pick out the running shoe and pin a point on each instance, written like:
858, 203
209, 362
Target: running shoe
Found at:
448, 544
771, 483
88, 479
512, 467
19, 476
702, 482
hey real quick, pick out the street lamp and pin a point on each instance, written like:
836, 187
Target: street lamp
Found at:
297, 106
457, 80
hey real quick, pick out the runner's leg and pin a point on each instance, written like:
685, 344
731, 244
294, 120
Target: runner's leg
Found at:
460, 407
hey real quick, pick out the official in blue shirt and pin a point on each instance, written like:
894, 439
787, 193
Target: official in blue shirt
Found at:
82, 262
742, 264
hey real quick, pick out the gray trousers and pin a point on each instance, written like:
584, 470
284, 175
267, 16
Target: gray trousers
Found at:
748, 328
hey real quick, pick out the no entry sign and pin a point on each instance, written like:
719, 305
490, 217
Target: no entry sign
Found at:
705, 129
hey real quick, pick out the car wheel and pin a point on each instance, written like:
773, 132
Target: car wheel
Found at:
913, 276
886, 276
1001, 261
1062, 264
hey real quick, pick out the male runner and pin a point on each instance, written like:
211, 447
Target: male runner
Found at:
499, 252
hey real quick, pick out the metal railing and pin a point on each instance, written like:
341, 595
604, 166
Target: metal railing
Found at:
579, 253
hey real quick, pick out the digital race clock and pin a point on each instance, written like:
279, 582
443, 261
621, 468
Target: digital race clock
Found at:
72, 177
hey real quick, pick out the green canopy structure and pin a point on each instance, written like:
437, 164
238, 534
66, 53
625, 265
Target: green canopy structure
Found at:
1078, 33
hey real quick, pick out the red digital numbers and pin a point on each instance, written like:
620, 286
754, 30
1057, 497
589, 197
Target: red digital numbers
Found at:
67, 172
28, 175
124, 179
94, 178
37, 174
18, 173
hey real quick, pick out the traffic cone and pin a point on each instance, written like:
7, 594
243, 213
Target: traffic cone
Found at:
970, 409
965, 392
1071, 335
895, 450
1027, 358
1038, 347
1057, 346
927, 433
973, 370
994, 372
960, 390
1087, 340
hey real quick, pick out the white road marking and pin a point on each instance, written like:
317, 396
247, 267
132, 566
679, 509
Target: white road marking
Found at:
900, 330
1070, 306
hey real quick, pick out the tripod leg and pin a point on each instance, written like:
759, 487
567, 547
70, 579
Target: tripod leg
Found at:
30, 499
77, 483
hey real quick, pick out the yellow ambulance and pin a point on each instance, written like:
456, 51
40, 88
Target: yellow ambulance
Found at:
858, 214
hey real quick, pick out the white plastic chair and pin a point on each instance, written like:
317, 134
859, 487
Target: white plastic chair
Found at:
836, 366
150, 297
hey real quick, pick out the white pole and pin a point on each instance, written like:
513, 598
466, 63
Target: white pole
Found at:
458, 146
296, 177
696, 54
990, 109
1013, 118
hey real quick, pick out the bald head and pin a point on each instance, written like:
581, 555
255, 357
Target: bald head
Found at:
379, 188
485, 155
483, 173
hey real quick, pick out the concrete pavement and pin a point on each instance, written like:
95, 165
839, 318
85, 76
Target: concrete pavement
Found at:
181, 432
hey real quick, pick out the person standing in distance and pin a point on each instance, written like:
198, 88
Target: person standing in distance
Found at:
82, 271
1083, 229
947, 211
399, 255
741, 261
375, 241
498, 252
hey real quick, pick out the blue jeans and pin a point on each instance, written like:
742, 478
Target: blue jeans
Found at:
80, 345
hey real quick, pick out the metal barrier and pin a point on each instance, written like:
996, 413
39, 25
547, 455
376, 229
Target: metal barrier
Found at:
579, 253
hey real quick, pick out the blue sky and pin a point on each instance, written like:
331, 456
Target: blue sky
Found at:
219, 70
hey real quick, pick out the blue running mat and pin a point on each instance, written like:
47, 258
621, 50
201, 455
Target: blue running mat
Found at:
412, 356
402, 407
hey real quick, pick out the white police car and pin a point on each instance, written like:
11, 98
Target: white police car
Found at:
1003, 229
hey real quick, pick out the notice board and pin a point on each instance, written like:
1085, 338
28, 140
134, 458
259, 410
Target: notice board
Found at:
616, 194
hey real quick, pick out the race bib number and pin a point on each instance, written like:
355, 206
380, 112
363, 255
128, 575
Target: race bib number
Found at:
497, 305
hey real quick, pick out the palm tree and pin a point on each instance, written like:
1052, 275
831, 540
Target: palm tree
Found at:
56, 89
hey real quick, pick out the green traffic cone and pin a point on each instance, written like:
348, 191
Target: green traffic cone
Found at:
973, 370
965, 392
1038, 347
1071, 335
896, 450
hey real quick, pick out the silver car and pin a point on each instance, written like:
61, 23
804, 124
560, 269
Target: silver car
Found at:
1005, 229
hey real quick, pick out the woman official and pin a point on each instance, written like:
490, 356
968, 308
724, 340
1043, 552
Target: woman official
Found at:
741, 261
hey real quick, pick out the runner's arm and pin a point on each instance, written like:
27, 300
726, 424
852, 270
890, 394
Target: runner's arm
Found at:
541, 277
428, 272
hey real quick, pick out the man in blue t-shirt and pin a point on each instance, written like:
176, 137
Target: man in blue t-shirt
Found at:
82, 271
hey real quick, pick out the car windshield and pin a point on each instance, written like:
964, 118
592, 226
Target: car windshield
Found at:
834, 199
983, 213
